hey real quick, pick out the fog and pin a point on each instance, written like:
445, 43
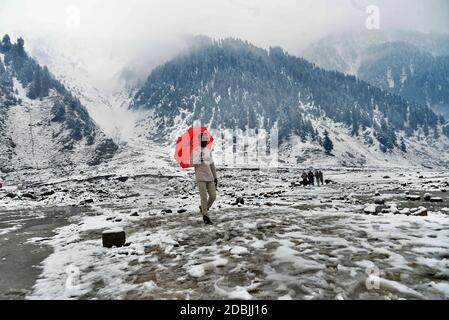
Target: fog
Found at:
133, 28
291, 24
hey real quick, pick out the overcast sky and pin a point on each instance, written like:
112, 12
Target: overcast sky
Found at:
289, 23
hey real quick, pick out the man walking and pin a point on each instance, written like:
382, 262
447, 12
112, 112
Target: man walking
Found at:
205, 176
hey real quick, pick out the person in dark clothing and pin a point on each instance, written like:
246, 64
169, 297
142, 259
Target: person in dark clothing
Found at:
320, 174
305, 178
311, 178
316, 173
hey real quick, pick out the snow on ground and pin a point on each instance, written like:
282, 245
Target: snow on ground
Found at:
285, 242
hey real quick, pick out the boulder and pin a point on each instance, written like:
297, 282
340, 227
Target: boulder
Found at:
427, 197
122, 179
48, 193
134, 214
371, 209
86, 201
113, 238
182, 211
29, 196
413, 198
11, 195
436, 199
422, 212
379, 201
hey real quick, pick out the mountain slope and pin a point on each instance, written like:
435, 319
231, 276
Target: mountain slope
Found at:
413, 65
231, 84
43, 125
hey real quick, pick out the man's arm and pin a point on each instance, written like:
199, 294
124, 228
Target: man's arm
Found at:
214, 171
212, 168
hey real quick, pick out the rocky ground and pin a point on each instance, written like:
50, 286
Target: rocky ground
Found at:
366, 234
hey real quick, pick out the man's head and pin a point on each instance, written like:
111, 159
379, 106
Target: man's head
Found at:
204, 139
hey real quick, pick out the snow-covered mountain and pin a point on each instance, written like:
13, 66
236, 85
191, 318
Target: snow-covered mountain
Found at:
413, 65
233, 84
43, 125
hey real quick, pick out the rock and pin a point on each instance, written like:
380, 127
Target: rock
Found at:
182, 211
394, 209
11, 195
422, 212
166, 211
240, 200
371, 209
122, 179
47, 193
328, 181
118, 220
377, 194
387, 177
436, 199
134, 214
110, 218
413, 198
113, 238
427, 197
29, 196
379, 201
443, 190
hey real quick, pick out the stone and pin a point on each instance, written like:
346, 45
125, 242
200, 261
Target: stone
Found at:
134, 214
29, 196
122, 179
166, 211
371, 209
11, 195
422, 212
182, 211
413, 198
48, 193
113, 238
241, 200
379, 201
427, 197
436, 199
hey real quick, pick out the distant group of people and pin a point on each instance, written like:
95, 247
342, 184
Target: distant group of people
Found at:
312, 177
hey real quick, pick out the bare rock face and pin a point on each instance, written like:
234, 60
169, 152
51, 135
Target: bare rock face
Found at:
114, 238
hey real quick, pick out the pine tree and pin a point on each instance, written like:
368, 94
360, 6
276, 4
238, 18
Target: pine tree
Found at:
328, 145
402, 146
6, 44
